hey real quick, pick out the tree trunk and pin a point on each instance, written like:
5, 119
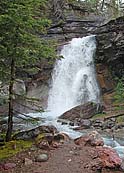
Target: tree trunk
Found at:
10, 113
103, 2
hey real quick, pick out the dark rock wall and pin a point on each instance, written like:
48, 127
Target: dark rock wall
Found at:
110, 46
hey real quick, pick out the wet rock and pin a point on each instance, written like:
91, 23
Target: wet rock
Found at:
97, 123
63, 123
109, 157
71, 123
84, 111
108, 124
92, 139
85, 123
31, 134
28, 161
42, 158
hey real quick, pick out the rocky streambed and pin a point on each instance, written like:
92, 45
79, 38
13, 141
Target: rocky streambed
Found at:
56, 152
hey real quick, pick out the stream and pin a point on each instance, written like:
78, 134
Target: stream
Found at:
73, 83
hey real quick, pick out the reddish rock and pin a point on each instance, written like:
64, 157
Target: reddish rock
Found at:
55, 144
8, 166
95, 165
92, 139
1, 167
109, 157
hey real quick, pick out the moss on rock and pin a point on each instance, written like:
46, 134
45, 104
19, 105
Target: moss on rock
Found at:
13, 147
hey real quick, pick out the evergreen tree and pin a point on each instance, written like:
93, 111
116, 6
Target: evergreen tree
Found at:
21, 21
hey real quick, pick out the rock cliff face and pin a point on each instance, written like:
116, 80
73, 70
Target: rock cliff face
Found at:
110, 49
79, 21
71, 20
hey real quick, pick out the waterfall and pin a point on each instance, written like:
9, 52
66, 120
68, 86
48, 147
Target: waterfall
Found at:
74, 78
73, 83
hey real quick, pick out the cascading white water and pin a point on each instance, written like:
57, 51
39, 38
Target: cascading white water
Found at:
74, 79
74, 82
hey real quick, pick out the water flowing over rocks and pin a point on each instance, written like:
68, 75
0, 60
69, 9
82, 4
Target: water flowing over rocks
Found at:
79, 22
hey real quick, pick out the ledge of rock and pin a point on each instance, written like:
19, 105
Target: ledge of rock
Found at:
84, 111
31, 134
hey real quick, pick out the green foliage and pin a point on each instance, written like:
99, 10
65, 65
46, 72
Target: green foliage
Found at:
21, 25
21, 21
13, 147
39, 138
119, 91
120, 119
119, 107
100, 115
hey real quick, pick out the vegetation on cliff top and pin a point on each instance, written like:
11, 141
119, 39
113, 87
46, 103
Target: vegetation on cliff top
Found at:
109, 8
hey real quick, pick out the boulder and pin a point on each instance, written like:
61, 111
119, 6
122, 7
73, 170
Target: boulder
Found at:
44, 145
92, 139
85, 123
97, 123
31, 134
42, 157
84, 111
109, 157
48, 141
